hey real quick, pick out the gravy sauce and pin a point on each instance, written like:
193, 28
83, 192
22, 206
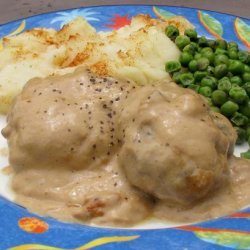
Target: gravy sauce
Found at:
98, 150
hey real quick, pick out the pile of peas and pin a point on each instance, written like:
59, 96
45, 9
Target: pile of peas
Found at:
219, 71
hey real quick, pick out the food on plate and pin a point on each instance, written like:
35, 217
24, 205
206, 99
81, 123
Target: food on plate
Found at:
219, 71
137, 52
103, 150
99, 133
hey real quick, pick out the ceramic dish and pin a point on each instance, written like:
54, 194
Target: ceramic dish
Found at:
21, 230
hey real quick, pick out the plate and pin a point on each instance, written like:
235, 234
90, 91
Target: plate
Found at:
22, 230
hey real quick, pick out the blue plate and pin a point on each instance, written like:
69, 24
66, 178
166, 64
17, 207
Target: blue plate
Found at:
21, 230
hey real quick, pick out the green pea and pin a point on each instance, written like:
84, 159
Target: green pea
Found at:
246, 154
205, 50
238, 94
239, 120
176, 77
195, 45
235, 85
233, 54
246, 68
219, 97
229, 108
172, 32
237, 80
205, 91
181, 41
244, 56
241, 135
191, 33
219, 51
185, 58
190, 48
197, 56
172, 66
186, 79
215, 109
202, 63
198, 75
221, 44
209, 55
209, 81
193, 65
245, 109
194, 87
224, 84
246, 86
246, 77
220, 70
232, 45
210, 70
236, 67
212, 44
221, 59
202, 41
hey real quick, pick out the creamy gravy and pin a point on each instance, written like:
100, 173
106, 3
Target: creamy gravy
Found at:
233, 196
101, 196
103, 151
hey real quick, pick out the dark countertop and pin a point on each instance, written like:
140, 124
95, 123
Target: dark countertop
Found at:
15, 9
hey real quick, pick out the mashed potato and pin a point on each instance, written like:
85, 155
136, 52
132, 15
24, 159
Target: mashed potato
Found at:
137, 52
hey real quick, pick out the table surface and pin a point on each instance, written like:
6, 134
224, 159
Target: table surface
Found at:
16, 9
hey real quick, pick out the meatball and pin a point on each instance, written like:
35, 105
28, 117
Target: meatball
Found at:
66, 121
173, 149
